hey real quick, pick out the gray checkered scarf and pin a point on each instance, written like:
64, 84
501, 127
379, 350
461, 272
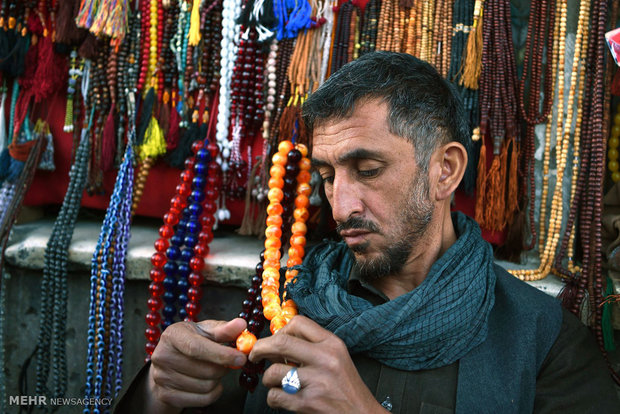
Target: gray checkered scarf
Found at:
434, 325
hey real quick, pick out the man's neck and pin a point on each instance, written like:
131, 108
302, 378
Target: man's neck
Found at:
439, 236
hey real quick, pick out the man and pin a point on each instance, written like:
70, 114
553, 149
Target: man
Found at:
409, 314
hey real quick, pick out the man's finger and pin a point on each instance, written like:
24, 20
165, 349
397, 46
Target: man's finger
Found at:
274, 374
277, 398
220, 331
192, 368
194, 344
178, 381
184, 399
305, 328
282, 347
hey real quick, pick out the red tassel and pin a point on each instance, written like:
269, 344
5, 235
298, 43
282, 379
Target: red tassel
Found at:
172, 138
108, 149
51, 73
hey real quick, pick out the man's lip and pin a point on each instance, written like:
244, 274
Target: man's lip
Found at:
353, 237
353, 233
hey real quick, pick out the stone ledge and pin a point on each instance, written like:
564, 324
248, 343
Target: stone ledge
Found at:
232, 258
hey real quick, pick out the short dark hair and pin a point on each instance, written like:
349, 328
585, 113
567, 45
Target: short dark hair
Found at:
422, 106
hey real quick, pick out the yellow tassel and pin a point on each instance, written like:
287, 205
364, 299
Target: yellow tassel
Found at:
154, 142
472, 66
194, 28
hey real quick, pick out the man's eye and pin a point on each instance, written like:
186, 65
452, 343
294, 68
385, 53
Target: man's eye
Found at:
328, 179
368, 173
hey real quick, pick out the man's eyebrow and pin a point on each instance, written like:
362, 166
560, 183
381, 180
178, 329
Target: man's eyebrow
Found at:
356, 154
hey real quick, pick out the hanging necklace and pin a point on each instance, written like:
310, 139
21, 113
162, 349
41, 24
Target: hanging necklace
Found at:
178, 261
562, 144
613, 144
51, 341
290, 166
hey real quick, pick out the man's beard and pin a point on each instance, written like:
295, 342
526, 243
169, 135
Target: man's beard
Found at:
417, 212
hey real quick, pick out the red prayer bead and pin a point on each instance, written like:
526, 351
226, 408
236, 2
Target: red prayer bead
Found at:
209, 207
152, 334
157, 275
196, 146
196, 264
201, 250
153, 318
187, 176
195, 279
158, 259
194, 293
150, 347
178, 202
156, 289
205, 237
207, 221
161, 245
154, 303
192, 309
171, 219
184, 189
166, 231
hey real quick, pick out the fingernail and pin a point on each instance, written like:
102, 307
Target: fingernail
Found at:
239, 361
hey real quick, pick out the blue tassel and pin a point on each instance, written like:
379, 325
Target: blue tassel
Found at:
5, 162
280, 13
299, 18
15, 169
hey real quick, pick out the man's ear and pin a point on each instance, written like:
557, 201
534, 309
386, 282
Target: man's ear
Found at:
451, 159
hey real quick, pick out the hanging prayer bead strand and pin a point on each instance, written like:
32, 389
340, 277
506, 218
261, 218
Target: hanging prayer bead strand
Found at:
277, 311
613, 144
562, 145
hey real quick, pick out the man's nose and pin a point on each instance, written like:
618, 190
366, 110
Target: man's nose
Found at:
346, 199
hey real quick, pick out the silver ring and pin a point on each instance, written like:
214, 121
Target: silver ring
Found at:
290, 382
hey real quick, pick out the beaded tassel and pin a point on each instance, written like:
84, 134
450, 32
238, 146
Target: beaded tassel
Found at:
105, 329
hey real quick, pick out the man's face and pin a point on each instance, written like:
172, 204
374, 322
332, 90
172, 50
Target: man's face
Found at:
379, 198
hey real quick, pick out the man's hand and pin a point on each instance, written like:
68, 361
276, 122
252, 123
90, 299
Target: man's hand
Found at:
189, 362
329, 380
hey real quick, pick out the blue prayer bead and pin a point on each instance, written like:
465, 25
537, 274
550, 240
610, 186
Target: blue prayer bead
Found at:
192, 227
200, 169
186, 254
195, 209
182, 299
199, 182
169, 311
197, 196
203, 155
183, 270
173, 252
191, 240
176, 240
182, 285
169, 297
170, 268
170, 283
166, 323
182, 313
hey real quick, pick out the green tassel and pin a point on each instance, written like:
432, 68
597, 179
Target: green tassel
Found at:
608, 330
